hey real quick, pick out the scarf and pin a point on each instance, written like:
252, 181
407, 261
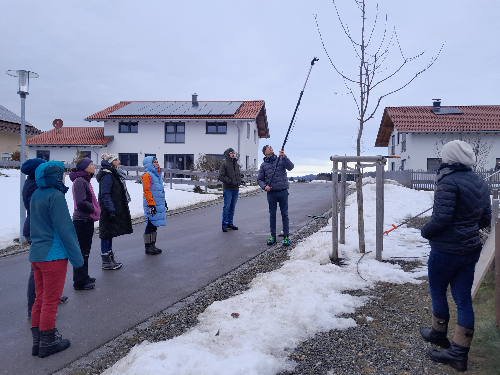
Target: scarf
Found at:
122, 175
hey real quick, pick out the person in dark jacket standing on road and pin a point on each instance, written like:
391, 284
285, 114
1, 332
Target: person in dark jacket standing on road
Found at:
28, 168
86, 212
273, 179
230, 176
115, 217
461, 208
54, 240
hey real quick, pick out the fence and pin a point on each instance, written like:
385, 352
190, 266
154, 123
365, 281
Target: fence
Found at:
171, 176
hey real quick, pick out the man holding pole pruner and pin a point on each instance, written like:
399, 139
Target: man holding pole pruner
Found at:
273, 179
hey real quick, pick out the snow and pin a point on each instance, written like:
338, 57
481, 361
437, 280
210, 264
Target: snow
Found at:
289, 305
181, 195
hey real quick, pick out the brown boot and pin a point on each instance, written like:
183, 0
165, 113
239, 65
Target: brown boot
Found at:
457, 355
437, 334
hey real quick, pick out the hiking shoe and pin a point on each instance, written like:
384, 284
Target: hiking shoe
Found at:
63, 299
88, 286
286, 241
233, 227
271, 241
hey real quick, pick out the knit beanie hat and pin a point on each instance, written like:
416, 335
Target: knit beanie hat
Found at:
109, 157
83, 164
458, 152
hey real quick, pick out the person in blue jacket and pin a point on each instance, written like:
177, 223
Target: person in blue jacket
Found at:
461, 208
273, 179
54, 241
28, 168
154, 203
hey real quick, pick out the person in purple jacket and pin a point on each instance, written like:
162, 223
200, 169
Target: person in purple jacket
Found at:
86, 212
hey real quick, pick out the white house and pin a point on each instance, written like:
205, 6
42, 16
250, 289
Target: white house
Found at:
417, 134
176, 132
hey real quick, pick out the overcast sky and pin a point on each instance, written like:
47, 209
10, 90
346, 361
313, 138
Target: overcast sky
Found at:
91, 54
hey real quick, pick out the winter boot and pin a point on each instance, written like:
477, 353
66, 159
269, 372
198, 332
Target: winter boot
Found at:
148, 244
35, 331
457, 355
107, 263
51, 342
437, 334
112, 258
153, 240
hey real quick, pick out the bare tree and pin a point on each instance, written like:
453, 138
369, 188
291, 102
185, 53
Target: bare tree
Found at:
477, 141
371, 73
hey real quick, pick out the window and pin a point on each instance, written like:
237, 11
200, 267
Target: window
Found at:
128, 127
497, 164
248, 130
6, 156
175, 132
392, 146
146, 155
403, 164
86, 154
398, 138
433, 164
247, 162
216, 127
129, 160
255, 136
403, 142
179, 161
43, 154
393, 166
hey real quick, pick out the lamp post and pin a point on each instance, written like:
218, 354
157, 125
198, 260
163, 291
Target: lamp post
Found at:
24, 82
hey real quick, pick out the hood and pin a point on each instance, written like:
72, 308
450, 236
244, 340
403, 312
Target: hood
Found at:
226, 155
50, 174
105, 163
75, 174
30, 165
148, 165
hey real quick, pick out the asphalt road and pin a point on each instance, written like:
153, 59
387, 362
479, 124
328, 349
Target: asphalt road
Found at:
195, 252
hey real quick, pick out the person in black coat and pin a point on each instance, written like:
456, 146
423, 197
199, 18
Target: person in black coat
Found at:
115, 217
230, 176
28, 168
461, 208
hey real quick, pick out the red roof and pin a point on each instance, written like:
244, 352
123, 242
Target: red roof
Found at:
16, 128
71, 136
479, 118
254, 109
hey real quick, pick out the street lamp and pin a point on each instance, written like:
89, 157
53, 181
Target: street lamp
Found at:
24, 82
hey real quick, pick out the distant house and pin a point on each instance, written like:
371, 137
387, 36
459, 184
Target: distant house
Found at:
10, 132
176, 132
417, 134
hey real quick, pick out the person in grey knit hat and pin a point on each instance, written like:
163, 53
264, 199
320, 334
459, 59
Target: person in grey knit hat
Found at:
461, 208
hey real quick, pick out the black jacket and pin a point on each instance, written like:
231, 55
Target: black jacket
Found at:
229, 173
112, 198
461, 207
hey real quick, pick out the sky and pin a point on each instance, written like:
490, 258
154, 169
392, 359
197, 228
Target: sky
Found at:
92, 54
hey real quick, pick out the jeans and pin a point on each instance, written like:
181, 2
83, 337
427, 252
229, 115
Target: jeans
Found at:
230, 199
49, 284
457, 271
273, 198
106, 246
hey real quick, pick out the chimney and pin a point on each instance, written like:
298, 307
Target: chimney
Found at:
436, 103
195, 99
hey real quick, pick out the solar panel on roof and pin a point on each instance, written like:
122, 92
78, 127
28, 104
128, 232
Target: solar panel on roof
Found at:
219, 108
232, 108
178, 109
446, 111
207, 108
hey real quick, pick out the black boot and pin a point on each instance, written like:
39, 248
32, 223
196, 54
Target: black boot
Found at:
153, 241
35, 331
148, 245
457, 355
112, 258
51, 342
86, 265
437, 334
107, 263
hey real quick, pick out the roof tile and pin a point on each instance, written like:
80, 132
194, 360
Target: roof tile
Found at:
71, 136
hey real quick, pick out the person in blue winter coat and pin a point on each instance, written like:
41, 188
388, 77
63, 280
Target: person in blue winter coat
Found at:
155, 206
273, 179
28, 168
54, 241
461, 208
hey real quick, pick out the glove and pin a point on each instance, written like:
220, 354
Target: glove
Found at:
152, 209
166, 207
112, 215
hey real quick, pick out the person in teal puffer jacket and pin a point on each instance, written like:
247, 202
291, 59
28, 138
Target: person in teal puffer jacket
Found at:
155, 206
54, 241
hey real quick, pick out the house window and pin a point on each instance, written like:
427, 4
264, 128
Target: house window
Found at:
398, 138
393, 165
247, 161
403, 142
6, 156
129, 160
403, 164
392, 145
433, 164
179, 161
497, 164
255, 136
86, 154
128, 127
248, 130
43, 154
216, 127
175, 132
